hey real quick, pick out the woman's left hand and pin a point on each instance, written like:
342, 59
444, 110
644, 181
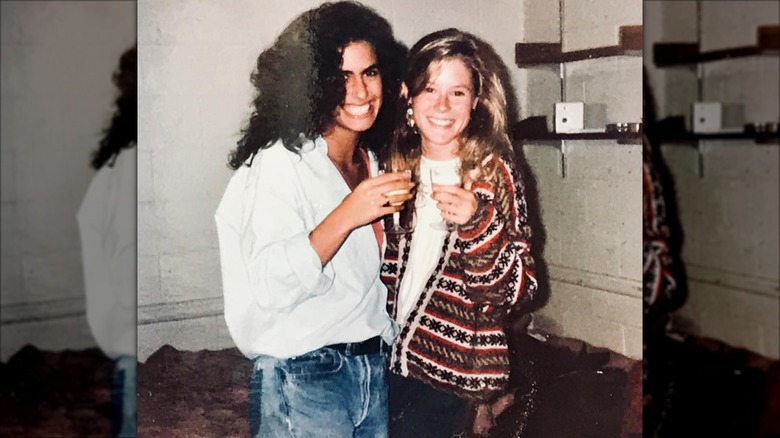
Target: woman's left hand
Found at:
457, 205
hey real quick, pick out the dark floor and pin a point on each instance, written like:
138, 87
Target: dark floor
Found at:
205, 393
581, 391
703, 387
64, 394
700, 388
188, 394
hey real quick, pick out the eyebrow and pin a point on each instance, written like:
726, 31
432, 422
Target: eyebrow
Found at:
370, 67
466, 86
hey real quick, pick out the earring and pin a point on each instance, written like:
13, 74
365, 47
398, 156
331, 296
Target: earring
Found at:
410, 117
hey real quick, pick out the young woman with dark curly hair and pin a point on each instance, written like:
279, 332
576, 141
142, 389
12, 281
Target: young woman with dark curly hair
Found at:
300, 242
123, 130
107, 227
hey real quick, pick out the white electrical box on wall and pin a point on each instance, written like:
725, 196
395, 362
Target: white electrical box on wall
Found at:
569, 117
707, 117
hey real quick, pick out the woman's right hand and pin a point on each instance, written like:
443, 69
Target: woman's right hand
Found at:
376, 197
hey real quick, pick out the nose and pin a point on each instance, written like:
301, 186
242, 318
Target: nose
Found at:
442, 103
356, 87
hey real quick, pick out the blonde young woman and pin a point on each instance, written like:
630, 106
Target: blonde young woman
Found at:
450, 289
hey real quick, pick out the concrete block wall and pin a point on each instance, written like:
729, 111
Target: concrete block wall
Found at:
57, 62
194, 95
728, 192
592, 217
590, 191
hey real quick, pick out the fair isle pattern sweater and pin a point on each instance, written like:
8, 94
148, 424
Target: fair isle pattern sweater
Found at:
659, 258
454, 337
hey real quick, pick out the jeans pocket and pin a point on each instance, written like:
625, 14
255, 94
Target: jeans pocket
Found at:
311, 366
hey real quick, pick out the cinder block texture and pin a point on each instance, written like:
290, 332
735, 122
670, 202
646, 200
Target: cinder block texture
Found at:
728, 192
57, 64
595, 23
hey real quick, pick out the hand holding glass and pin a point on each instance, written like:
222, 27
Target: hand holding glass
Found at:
398, 223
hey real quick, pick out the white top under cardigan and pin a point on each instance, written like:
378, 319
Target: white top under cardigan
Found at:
279, 300
107, 227
425, 251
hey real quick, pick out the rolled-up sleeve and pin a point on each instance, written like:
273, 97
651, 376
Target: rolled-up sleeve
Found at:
272, 221
283, 268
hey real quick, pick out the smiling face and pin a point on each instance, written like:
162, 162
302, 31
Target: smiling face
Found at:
363, 85
442, 110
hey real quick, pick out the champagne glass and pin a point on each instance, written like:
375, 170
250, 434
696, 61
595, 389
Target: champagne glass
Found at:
400, 222
444, 177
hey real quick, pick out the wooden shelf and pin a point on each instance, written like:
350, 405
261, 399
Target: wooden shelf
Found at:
533, 54
690, 137
621, 138
677, 54
535, 129
672, 129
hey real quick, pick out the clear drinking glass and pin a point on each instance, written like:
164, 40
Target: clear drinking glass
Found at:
401, 222
444, 177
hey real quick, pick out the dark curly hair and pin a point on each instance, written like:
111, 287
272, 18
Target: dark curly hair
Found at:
122, 133
299, 83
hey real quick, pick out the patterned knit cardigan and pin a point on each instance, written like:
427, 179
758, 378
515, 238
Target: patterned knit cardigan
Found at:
661, 291
454, 337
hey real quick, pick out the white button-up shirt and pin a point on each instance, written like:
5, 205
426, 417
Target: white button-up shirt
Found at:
107, 227
279, 299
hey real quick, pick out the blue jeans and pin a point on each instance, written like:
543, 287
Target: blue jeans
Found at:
324, 393
123, 398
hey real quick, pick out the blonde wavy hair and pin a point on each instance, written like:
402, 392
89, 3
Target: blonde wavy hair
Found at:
486, 138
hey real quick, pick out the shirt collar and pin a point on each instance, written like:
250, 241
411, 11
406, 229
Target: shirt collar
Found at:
318, 144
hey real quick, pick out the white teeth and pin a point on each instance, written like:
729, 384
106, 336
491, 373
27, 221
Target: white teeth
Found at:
357, 110
441, 122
